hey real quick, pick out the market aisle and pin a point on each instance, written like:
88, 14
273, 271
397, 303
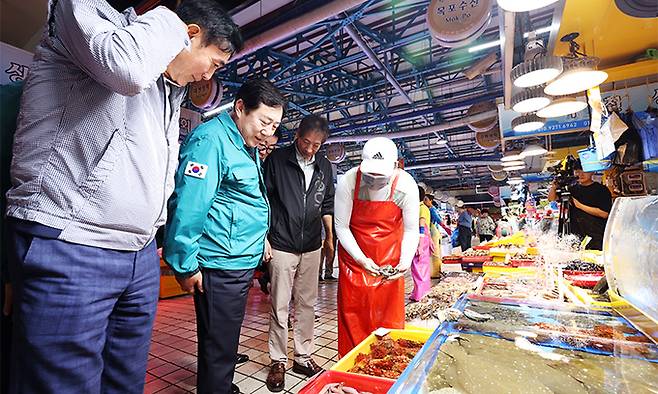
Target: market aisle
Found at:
172, 360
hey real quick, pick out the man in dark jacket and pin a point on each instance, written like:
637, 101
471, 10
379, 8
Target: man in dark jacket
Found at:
300, 189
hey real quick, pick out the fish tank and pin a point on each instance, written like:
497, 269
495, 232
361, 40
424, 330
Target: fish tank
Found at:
521, 346
471, 363
630, 246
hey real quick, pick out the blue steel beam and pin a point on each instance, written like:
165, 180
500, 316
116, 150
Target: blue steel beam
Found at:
349, 19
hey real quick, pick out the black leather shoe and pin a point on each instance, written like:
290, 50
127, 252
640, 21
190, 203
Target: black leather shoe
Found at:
309, 369
276, 378
241, 358
235, 389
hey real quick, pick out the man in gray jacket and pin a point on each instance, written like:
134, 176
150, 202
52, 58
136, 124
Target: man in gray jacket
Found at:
94, 156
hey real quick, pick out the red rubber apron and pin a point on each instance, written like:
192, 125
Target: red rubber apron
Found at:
367, 302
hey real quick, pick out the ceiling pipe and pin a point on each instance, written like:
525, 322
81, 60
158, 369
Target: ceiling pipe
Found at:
418, 113
416, 132
297, 25
351, 30
452, 164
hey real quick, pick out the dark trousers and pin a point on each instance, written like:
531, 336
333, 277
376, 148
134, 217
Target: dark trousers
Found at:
219, 313
485, 237
82, 316
465, 237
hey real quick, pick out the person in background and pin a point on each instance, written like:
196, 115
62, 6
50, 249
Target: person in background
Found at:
425, 215
267, 146
475, 213
328, 265
464, 223
300, 187
421, 263
591, 203
485, 226
99, 117
377, 218
219, 217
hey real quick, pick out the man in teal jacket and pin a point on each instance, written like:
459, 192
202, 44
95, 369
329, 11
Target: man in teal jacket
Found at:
218, 221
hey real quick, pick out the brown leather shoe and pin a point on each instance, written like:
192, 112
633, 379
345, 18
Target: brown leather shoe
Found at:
309, 369
276, 378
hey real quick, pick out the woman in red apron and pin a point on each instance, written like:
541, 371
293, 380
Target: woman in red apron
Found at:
367, 302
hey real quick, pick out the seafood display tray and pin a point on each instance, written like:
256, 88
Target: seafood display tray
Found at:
364, 383
349, 360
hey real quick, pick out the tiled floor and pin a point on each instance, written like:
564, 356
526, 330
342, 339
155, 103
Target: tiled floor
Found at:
172, 360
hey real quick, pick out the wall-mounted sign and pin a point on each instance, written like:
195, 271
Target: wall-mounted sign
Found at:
336, 153
564, 124
455, 23
479, 108
188, 121
207, 94
15, 63
488, 140
637, 98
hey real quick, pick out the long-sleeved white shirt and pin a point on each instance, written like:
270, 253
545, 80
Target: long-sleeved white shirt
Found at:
405, 196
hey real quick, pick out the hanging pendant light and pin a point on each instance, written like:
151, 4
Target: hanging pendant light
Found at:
512, 163
511, 156
523, 5
579, 71
515, 168
527, 123
533, 150
562, 106
530, 100
536, 71
579, 75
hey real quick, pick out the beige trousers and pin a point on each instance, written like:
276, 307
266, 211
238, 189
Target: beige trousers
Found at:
293, 274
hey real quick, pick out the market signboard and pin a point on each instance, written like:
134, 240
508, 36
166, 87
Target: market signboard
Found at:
15, 64
636, 98
564, 124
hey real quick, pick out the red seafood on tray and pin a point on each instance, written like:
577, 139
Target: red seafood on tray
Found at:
388, 357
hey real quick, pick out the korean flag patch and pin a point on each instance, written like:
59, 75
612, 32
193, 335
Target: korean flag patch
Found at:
196, 170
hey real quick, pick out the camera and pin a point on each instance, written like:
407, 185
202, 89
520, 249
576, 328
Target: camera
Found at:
564, 175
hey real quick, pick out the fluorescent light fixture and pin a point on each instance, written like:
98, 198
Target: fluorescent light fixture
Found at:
514, 181
514, 168
543, 30
527, 123
511, 156
536, 71
218, 110
495, 43
442, 142
524, 5
533, 150
579, 75
561, 107
530, 100
486, 45
512, 163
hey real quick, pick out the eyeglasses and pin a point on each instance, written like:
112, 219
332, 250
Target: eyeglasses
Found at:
266, 149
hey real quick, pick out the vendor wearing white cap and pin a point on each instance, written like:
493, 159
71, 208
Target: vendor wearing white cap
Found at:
376, 214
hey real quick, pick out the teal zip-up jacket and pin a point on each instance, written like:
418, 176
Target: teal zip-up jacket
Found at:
218, 213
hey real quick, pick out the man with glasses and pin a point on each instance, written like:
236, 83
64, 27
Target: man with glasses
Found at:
268, 145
